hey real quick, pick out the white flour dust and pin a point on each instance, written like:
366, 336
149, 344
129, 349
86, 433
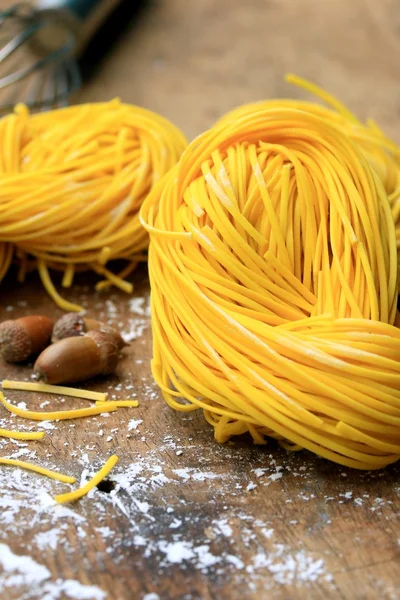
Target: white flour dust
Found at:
134, 324
134, 424
23, 572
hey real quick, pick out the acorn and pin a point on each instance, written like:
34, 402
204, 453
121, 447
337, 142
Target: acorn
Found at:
24, 337
75, 324
79, 358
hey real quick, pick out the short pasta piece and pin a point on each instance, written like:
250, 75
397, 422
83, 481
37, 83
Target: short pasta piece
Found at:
37, 469
61, 390
22, 435
59, 415
77, 494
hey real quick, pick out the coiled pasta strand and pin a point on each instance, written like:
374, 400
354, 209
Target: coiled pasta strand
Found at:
274, 276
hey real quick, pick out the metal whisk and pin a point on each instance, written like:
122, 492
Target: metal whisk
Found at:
39, 48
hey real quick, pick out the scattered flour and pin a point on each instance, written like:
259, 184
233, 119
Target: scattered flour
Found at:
176, 523
48, 425
235, 561
223, 527
111, 309
188, 473
139, 306
134, 329
289, 569
176, 552
251, 486
105, 532
71, 589
47, 539
134, 424
23, 572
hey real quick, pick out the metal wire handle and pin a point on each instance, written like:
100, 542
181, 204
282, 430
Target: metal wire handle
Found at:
82, 17
54, 32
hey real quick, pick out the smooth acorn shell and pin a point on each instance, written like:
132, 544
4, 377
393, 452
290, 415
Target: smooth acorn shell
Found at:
78, 358
70, 360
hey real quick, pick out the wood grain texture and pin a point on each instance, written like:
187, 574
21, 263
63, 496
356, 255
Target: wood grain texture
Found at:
188, 518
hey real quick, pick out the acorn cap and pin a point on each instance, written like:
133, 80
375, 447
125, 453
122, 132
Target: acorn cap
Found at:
20, 338
116, 336
15, 343
108, 344
69, 325
74, 324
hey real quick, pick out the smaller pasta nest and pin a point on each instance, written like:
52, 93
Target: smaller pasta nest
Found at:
72, 182
274, 275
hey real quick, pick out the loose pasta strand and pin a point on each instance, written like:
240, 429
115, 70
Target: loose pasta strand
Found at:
22, 435
76, 494
37, 469
38, 386
58, 415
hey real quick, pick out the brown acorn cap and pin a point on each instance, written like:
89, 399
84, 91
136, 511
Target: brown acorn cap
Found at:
69, 325
74, 324
117, 336
15, 343
108, 344
20, 338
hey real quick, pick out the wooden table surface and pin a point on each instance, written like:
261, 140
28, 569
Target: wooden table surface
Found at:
183, 517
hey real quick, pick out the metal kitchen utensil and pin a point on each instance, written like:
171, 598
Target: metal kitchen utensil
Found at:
39, 48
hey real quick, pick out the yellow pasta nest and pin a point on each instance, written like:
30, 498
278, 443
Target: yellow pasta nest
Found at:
274, 275
71, 185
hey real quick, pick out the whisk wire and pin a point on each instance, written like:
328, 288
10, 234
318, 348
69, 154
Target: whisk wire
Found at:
26, 75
